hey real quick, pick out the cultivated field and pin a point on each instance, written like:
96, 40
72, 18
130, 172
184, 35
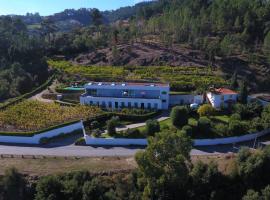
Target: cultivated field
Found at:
180, 78
34, 115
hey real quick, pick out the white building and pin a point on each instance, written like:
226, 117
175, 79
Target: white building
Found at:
222, 97
127, 95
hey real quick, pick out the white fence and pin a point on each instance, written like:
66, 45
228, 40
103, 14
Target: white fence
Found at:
114, 141
48, 134
230, 140
199, 142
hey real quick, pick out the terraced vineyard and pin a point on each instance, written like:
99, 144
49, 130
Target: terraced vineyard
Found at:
180, 78
34, 115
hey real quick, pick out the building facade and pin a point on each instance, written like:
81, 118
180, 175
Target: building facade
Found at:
127, 95
222, 97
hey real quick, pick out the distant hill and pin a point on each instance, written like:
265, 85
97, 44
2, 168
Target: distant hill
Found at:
71, 18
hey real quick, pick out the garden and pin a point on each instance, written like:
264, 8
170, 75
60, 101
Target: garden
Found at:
181, 79
206, 122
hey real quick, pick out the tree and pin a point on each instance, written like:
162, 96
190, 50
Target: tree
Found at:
96, 17
266, 117
179, 116
206, 110
233, 81
266, 46
237, 127
243, 93
164, 165
49, 188
13, 185
152, 127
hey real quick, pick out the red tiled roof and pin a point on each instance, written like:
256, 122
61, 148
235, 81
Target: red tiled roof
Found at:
224, 91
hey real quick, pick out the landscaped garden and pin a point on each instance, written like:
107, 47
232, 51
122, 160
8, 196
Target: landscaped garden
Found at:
34, 115
206, 122
184, 79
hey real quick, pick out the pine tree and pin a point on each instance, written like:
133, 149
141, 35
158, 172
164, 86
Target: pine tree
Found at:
234, 83
243, 93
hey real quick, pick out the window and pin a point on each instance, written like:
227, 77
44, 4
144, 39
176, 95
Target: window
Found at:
136, 105
156, 106
103, 104
164, 101
91, 102
129, 104
123, 104
164, 92
110, 104
116, 105
149, 105
92, 92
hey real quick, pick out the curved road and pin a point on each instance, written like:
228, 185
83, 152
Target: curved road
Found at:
67, 148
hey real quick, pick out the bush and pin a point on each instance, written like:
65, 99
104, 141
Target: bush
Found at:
221, 129
111, 127
80, 142
152, 127
188, 129
237, 127
206, 110
94, 125
235, 116
96, 133
204, 125
179, 116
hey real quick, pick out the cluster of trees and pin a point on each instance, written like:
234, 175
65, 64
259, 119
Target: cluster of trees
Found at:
22, 63
165, 171
219, 27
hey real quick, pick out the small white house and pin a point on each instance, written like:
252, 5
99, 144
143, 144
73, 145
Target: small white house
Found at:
222, 97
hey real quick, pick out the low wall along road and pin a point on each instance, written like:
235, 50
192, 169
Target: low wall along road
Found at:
48, 134
199, 142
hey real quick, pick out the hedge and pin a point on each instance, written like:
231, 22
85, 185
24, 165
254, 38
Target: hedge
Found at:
28, 95
32, 133
64, 91
137, 118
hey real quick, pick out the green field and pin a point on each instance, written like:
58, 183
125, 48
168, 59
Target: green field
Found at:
184, 79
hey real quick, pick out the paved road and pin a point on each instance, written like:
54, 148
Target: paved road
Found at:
66, 148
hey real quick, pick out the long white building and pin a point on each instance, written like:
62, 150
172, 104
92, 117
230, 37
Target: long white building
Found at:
127, 95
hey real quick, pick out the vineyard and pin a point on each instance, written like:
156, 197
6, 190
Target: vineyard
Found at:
180, 78
34, 115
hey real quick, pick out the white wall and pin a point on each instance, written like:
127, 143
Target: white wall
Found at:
114, 141
230, 140
200, 142
36, 138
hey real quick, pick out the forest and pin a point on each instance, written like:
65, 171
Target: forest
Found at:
22, 62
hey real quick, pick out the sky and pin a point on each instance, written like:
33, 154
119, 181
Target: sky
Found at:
47, 7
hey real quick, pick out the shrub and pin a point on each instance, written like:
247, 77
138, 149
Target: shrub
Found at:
134, 133
237, 127
96, 133
80, 141
235, 116
94, 125
204, 125
188, 129
179, 116
206, 110
221, 129
111, 127
152, 127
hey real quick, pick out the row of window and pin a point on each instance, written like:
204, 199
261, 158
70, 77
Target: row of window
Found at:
123, 105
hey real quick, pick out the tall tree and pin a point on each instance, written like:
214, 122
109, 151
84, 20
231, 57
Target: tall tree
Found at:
243, 93
164, 165
96, 17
